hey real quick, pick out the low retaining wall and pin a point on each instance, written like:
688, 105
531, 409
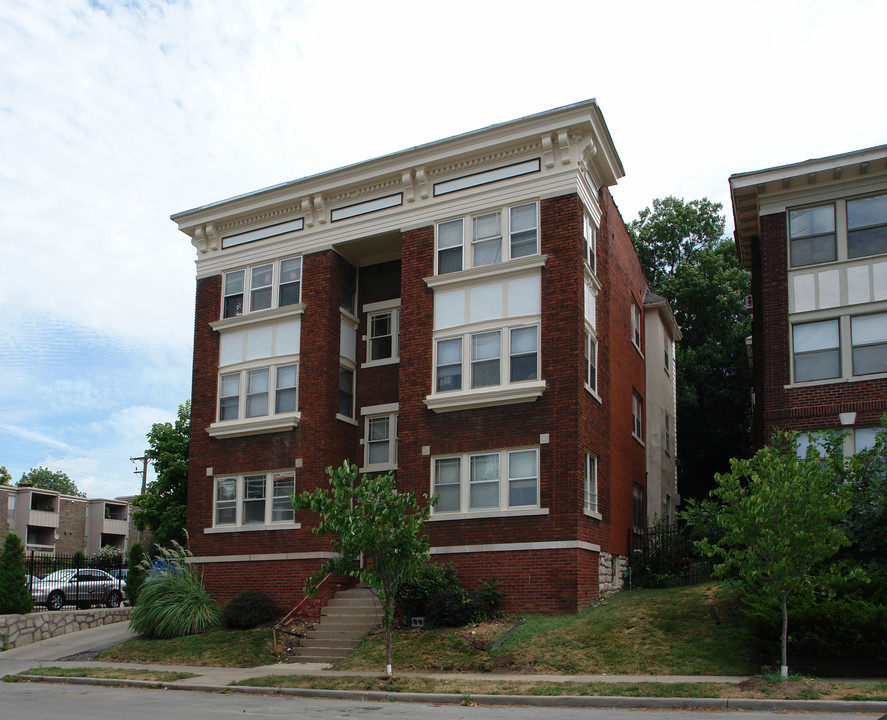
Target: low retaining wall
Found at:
18, 630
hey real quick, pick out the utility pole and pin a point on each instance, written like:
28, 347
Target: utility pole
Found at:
144, 473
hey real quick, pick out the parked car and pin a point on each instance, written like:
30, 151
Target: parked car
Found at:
84, 588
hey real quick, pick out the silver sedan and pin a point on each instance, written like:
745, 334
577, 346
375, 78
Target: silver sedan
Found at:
84, 588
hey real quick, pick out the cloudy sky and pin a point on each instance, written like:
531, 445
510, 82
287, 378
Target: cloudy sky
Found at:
114, 115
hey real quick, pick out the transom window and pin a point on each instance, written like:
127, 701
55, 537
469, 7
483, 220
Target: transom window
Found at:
269, 285
495, 358
255, 500
486, 481
258, 392
817, 350
494, 237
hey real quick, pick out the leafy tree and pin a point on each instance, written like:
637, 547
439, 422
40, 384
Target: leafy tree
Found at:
780, 518
5, 477
162, 507
46, 479
14, 594
688, 261
369, 519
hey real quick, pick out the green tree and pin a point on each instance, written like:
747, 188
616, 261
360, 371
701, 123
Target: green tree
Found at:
14, 594
371, 521
780, 516
46, 479
688, 261
5, 477
162, 507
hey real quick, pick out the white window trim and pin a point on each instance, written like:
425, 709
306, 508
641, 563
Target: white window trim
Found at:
262, 317
247, 289
591, 512
346, 364
379, 308
637, 416
273, 421
589, 238
504, 510
636, 332
505, 237
237, 525
591, 337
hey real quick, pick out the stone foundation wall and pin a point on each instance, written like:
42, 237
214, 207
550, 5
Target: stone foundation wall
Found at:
17, 630
611, 573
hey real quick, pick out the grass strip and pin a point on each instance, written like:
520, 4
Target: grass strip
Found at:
106, 672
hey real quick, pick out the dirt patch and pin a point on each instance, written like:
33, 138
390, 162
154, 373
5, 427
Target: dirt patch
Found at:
482, 635
804, 688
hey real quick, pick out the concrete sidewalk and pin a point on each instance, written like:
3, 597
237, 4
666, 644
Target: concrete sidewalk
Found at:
62, 651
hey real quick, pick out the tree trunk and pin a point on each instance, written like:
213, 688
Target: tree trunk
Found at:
783, 670
388, 646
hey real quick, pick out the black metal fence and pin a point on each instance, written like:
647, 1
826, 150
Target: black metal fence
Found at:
665, 557
58, 580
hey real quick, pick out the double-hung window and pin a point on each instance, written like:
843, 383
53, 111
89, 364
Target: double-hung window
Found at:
492, 481
248, 393
636, 325
496, 358
867, 226
346, 392
497, 236
812, 235
590, 360
816, 349
589, 236
380, 442
255, 500
637, 416
868, 336
591, 501
270, 285
384, 335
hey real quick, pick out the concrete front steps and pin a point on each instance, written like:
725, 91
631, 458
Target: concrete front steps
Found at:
343, 622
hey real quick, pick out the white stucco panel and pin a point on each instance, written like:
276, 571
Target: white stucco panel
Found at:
879, 278
525, 296
829, 289
258, 342
230, 348
804, 293
485, 302
288, 338
858, 290
348, 341
449, 309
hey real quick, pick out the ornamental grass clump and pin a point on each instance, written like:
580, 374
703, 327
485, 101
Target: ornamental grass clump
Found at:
173, 601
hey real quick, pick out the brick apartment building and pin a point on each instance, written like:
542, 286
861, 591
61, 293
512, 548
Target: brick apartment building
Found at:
469, 312
814, 237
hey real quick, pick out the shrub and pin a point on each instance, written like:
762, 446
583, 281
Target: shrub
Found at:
249, 609
14, 594
78, 560
174, 602
135, 575
438, 596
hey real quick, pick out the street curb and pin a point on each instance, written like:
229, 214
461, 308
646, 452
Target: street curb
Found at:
609, 701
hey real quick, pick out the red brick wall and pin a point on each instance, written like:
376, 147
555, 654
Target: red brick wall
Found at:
623, 367
814, 407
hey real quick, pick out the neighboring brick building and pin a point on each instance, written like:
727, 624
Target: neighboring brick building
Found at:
814, 236
469, 313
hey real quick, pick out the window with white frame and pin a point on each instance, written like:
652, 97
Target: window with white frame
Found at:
589, 236
816, 349
383, 335
868, 337
864, 438
636, 325
812, 235
270, 285
491, 359
380, 442
255, 500
637, 416
591, 500
867, 226
258, 392
493, 237
590, 359
497, 480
